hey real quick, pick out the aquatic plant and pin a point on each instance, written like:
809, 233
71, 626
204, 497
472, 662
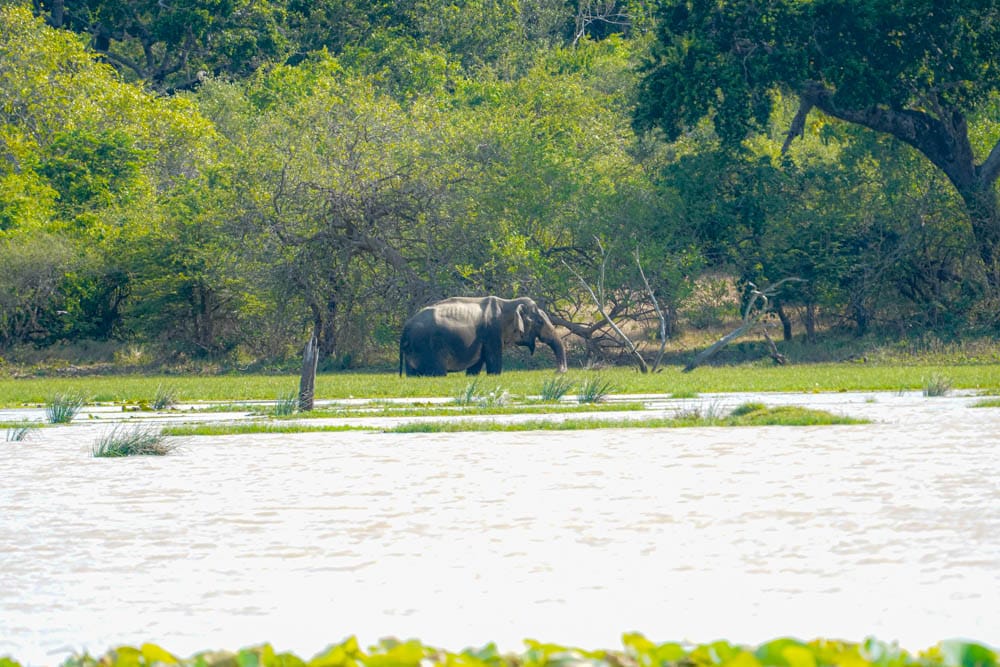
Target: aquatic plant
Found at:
137, 440
286, 404
20, 431
554, 388
594, 390
937, 385
164, 398
61, 408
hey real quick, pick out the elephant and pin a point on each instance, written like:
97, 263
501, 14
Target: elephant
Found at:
467, 333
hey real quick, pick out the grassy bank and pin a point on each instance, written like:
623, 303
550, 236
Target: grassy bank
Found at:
797, 378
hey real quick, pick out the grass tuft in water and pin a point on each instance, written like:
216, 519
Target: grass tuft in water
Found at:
286, 404
20, 431
257, 427
61, 408
468, 394
555, 388
987, 403
594, 390
937, 385
139, 440
164, 398
747, 408
779, 416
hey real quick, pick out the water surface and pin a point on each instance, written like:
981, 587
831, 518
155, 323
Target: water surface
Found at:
890, 529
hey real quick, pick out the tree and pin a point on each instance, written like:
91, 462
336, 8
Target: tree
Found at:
172, 45
917, 70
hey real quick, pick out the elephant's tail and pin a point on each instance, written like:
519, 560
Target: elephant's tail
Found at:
401, 355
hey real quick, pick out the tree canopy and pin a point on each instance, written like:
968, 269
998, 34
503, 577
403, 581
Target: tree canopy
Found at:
918, 71
218, 180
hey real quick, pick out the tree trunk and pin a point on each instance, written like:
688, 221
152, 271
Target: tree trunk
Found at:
984, 216
307, 383
786, 322
809, 320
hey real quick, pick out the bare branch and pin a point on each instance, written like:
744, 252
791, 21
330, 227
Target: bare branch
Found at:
659, 314
600, 308
798, 126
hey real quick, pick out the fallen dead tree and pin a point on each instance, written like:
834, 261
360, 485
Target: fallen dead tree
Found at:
757, 306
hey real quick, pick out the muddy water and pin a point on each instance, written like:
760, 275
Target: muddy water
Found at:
891, 529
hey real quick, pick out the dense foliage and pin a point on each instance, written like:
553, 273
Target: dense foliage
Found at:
219, 179
638, 651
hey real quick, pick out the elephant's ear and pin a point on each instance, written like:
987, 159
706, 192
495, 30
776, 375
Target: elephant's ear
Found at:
519, 319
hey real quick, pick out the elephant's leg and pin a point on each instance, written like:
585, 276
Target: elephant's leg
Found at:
493, 360
475, 368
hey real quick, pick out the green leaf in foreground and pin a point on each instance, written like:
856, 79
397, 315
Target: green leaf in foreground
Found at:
638, 650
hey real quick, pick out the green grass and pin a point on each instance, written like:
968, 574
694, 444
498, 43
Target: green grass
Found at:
164, 398
61, 408
594, 389
236, 388
19, 431
756, 416
987, 403
256, 427
465, 410
937, 385
286, 404
136, 440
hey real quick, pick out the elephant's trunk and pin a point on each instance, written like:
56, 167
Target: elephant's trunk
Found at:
548, 335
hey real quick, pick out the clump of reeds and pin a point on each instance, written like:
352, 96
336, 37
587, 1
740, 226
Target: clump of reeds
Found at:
61, 408
555, 388
19, 432
286, 404
937, 385
471, 395
164, 398
468, 394
594, 390
138, 440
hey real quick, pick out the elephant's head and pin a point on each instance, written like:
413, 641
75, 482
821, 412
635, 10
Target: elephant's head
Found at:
530, 323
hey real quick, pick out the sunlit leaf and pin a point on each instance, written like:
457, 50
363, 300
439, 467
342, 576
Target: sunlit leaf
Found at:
967, 654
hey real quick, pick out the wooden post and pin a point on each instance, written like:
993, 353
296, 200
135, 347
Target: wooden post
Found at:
307, 385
